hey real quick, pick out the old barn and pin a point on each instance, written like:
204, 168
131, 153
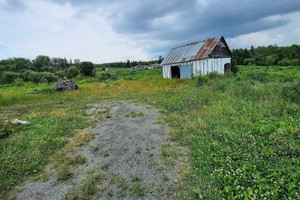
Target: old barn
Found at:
203, 57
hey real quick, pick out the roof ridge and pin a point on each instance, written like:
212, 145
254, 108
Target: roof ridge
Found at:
195, 42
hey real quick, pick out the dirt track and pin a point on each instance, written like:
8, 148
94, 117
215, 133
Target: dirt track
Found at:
127, 146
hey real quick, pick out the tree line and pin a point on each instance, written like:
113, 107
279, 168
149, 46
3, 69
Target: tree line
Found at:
267, 56
129, 64
43, 69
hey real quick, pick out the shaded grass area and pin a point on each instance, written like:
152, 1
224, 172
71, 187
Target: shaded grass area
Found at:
243, 130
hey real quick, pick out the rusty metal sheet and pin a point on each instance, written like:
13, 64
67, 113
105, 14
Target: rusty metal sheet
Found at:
194, 51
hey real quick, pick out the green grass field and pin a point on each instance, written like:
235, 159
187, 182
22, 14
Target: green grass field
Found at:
242, 130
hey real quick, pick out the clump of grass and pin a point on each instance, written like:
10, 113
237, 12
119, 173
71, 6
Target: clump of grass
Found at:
138, 150
64, 173
135, 178
136, 190
166, 177
105, 154
168, 151
78, 159
88, 188
134, 114
95, 149
110, 192
105, 166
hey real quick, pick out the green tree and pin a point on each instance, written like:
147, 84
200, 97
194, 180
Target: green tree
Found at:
87, 68
41, 61
127, 63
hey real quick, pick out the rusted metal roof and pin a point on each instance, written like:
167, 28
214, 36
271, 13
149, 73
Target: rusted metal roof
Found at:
194, 51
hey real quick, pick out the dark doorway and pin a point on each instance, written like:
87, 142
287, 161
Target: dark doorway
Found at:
227, 67
175, 72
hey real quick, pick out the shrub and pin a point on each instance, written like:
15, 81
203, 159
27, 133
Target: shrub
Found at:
248, 61
47, 77
39, 77
201, 80
106, 76
9, 77
19, 82
234, 67
295, 62
61, 74
72, 72
284, 62
212, 75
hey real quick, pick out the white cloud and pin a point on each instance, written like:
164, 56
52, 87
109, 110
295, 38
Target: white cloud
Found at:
50, 29
256, 39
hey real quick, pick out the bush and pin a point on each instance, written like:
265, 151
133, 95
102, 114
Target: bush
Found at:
9, 77
39, 77
234, 67
72, 72
201, 80
106, 76
19, 82
212, 75
248, 61
292, 92
284, 62
87, 68
61, 74
295, 62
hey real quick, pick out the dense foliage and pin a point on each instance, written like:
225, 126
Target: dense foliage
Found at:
87, 68
42, 69
268, 56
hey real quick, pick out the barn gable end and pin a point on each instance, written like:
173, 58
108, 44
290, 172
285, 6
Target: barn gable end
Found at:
221, 50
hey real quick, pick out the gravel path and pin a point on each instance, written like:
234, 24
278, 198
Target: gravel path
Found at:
128, 144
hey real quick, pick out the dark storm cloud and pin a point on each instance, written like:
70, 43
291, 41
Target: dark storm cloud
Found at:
173, 22
230, 18
184, 21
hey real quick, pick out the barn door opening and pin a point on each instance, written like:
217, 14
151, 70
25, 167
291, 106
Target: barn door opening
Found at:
227, 67
175, 72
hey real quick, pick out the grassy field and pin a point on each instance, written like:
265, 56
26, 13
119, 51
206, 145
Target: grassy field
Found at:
242, 130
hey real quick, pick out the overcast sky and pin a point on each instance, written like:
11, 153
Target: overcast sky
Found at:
116, 30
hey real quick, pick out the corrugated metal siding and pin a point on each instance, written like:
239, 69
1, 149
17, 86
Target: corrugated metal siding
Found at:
202, 67
209, 65
190, 52
166, 71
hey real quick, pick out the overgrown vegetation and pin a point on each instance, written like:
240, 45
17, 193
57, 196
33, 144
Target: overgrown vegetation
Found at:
242, 130
42, 69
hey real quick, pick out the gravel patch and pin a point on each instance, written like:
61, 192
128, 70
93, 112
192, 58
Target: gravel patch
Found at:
128, 144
